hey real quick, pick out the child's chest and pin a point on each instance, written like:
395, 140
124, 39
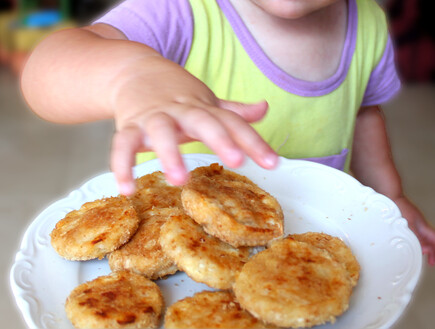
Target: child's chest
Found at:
308, 49
313, 58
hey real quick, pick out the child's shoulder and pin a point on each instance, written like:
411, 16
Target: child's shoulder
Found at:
369, 11
372, 26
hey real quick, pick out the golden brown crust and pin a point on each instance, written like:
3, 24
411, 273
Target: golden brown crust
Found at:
119, 300
231, 207
97, 228
336, 247
143, 253
217, 172
203, 257
154, 192
293, 284
210, 309
154, 200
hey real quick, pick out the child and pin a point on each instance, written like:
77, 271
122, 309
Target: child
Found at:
175, 71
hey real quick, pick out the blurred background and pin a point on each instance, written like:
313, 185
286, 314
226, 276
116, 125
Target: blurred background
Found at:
42, 162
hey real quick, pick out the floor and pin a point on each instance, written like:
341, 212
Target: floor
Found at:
42, 162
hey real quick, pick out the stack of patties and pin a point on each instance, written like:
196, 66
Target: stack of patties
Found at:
208, 229
226, 213
127, 231
155, 202
298, 281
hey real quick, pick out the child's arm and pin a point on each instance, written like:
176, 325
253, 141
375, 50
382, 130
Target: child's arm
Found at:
94, 73
373, 165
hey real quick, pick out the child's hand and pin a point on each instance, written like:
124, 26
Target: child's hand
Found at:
157, 110
156, 104
373, 166
424, 232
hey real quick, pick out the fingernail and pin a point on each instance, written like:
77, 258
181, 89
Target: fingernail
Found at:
147, 142
234, 156
126, 188
270, 160
177, 176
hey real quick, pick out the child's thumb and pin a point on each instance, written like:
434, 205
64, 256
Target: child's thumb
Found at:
249, 112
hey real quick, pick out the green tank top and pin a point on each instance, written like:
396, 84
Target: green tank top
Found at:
305, 119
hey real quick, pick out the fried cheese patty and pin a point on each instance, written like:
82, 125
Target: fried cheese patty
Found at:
336, 247
231, 207
119, 300
293, 284
153, 191
203, 257
143, 253
210, 309
97, 228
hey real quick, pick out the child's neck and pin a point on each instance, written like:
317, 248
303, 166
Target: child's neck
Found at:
308, 48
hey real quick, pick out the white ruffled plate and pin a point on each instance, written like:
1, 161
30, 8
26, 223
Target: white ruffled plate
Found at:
313, 197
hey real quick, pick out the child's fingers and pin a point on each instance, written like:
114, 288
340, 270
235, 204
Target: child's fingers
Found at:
162, 132
228, 135
202, 125
249, 140
430, 252
224, 130
126, 143
249, 112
